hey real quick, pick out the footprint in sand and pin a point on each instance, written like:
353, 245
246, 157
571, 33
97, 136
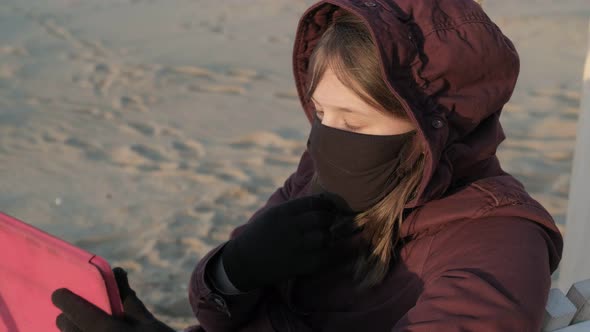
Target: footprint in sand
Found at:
244, 75
141, 158
193, 71
212, 27
143, 128
133, 74
219, 88
265, 140
53, 136
149, 168
102, 76
198, 79
198, 224
237, 196
182, 76
260, 184
225, 173
135, 103
91, 151
48, 138
205, 209
189, 149
149, 153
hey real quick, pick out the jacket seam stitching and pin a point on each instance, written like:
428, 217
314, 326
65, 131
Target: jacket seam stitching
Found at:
496, 201
523, 203
462, 19
454, 26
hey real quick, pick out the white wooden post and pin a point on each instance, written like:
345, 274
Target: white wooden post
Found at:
580, 327
574, 309
559, 311
575, 264
579, 294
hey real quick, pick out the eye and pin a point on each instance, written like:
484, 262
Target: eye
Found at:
351, 128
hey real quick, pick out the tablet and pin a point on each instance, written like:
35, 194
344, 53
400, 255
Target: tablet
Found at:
33, 264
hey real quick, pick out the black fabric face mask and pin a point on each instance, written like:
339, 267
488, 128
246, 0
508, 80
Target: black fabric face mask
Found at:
357, 170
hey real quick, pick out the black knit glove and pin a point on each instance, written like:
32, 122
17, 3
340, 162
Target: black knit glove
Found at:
80, 315
299, 237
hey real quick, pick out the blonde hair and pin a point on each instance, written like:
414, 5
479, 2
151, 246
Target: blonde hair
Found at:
347, 48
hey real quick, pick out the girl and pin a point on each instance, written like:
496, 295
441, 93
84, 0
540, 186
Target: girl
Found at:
399, 216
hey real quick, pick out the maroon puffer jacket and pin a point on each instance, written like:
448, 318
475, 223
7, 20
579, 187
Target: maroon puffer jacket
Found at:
482, 250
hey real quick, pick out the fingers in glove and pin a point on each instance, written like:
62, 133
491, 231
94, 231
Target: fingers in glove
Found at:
135, 308
311, 221
314, 240
66, 325
318, 202
122, 283
339, 203
82, 313
344, 227
337, 255
132, 305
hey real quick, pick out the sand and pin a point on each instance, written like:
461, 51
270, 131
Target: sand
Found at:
146, 130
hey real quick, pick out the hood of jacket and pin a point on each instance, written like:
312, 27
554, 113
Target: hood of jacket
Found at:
450, 67
453, 70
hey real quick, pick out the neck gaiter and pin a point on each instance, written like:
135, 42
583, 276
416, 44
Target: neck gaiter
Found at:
358, 169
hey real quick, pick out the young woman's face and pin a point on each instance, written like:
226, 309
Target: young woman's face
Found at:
339, 107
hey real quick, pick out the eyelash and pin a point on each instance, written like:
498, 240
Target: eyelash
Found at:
351, 128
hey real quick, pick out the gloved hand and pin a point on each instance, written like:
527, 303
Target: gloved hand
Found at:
298, 237
80, 315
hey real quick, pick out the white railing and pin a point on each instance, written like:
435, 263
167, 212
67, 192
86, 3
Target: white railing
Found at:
570, 312
575, 264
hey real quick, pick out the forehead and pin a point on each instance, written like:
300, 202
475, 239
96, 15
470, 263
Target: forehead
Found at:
330, 92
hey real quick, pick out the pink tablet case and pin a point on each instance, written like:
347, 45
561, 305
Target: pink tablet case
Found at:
33, 264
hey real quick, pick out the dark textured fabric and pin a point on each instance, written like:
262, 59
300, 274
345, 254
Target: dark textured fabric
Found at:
291, 239
219, 278
358, 168
479, 249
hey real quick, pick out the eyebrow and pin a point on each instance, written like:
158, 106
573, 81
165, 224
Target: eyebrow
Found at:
343, 109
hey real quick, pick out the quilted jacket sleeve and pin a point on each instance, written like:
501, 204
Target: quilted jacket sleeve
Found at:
486, 275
